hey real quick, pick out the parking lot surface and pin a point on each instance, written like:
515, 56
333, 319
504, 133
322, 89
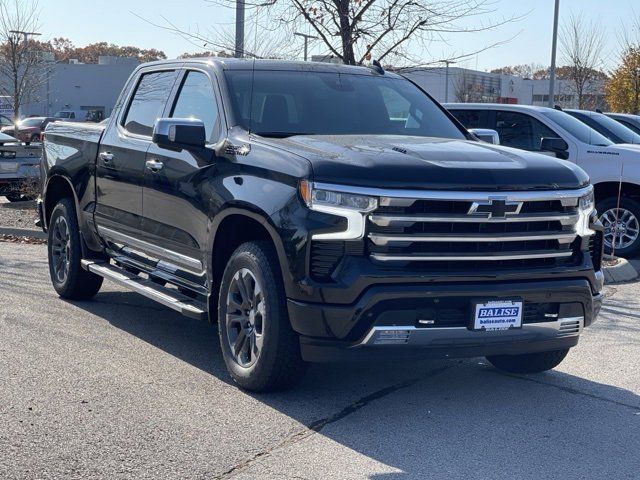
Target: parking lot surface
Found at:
120, 387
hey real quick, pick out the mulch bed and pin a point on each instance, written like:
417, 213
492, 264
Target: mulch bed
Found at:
20, 239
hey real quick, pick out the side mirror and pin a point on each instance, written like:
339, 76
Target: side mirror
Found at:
555, 145
179, 134
486, 135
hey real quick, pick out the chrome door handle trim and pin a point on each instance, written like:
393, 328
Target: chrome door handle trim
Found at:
106, 157
154, 165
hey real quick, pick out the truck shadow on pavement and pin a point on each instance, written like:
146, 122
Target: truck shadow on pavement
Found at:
417, 419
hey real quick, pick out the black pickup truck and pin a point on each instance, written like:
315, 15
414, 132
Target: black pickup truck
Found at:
321, 212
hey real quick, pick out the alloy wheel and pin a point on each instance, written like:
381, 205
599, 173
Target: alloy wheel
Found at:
61, 249
620, 226
245, 317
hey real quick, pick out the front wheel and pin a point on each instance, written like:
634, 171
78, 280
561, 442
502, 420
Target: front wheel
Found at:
621, 225
69, 279
529, 362
260, 349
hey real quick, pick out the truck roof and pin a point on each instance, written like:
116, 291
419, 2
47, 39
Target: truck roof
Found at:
267, 64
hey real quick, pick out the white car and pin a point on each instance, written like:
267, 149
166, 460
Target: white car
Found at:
549, 131
629, 120
610, 128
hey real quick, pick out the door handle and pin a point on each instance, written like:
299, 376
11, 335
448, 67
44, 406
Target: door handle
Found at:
154, 165
106, 157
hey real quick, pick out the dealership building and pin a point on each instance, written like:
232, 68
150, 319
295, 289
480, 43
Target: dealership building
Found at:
92, 89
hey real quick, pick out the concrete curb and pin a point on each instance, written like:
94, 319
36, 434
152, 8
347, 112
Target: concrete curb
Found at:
23, 232
621, 272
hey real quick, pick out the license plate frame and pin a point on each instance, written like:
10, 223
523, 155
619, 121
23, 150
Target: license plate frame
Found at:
491, 315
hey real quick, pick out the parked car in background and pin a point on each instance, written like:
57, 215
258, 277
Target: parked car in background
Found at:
554, 132
19, 168
629, 120
610, 128
322, 223
71, 116
29, 129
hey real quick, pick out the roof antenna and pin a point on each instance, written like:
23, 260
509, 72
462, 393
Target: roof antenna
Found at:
557, 107
598, 110
375, 65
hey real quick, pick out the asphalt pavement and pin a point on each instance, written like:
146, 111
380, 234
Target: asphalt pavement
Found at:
120, 387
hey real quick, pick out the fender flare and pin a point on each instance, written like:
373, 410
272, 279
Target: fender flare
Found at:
257, 215
50, 178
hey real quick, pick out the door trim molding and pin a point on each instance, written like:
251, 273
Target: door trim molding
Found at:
185, 261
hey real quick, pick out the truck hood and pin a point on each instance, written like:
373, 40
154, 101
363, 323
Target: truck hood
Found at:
389, 161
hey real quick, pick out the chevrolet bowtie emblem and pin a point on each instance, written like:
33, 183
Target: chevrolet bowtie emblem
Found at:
495, 208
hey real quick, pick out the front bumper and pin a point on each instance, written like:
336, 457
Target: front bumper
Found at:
385, 321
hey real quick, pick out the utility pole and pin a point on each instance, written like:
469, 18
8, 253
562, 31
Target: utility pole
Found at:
306, 41
552, 76
239, 53
25, 34
446, 78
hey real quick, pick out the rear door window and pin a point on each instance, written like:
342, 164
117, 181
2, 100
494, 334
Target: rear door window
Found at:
472, 118
148, 102
519, 130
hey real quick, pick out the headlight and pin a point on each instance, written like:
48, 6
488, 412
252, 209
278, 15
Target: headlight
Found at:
351, 206
587, 202
314, 197
586, 206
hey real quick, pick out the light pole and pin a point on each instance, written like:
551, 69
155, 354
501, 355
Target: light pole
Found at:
552, 75
446, 78
239, 53
306, 41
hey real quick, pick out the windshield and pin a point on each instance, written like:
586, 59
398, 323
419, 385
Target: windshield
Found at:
579, 130
63, 115
622, 133
30, 122
285, 103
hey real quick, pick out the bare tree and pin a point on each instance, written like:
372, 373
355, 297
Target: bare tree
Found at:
23, 69
581, 46
354, 31
471, 87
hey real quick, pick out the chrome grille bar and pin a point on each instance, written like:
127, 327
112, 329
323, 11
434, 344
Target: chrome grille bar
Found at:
405, 220
488, 257
382, 240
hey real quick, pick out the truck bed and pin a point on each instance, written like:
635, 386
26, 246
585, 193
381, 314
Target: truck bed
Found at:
64, 140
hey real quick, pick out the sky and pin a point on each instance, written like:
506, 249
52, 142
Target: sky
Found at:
119, 22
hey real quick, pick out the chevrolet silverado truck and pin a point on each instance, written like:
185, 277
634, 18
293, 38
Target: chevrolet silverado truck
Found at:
321, 212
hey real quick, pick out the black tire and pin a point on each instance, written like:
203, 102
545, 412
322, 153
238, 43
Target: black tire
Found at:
76, 283
15, 197
529, 362
278, 364
35, 138
629, 204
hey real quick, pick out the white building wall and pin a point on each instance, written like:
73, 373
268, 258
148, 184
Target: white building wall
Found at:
79, 87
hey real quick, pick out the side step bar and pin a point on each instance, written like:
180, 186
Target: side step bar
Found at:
166, 296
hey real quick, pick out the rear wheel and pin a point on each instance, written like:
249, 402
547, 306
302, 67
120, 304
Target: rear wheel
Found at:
259, 347
621, 225
35, 138
529, 362
69, 279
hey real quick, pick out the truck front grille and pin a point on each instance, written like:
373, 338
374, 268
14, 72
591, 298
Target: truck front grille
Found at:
475, 231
